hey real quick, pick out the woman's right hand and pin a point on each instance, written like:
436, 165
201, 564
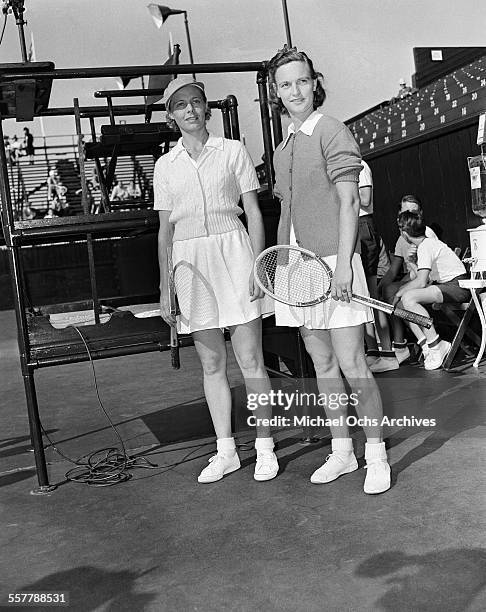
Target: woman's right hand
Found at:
165, 310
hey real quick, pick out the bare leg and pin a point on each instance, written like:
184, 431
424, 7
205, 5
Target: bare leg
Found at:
413, 300
247, 345
381, 320
347, 343
319, 346
211, 349
344, 349
397, 324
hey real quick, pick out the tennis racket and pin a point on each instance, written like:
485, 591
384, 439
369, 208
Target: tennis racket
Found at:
174, 310
297, 277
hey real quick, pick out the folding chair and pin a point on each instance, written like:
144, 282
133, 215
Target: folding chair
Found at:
458, 315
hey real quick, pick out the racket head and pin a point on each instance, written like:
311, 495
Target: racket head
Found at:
293, 276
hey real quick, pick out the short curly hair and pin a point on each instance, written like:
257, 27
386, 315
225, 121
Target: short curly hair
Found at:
285, 56
412, 223
171, 124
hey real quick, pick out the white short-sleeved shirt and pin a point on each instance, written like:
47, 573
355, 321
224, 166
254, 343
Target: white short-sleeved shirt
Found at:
203, 194
436, 256
402, 248
366, 180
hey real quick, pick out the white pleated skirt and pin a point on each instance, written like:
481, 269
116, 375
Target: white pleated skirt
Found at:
331, 314
211, 276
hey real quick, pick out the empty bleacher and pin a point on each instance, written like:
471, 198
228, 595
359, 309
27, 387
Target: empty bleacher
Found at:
445, 102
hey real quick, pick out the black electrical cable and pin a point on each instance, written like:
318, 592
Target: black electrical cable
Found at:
107, 466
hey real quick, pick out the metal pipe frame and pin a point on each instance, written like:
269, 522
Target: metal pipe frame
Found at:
136, 71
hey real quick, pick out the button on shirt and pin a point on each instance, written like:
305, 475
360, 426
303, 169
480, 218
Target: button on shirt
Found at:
203, 194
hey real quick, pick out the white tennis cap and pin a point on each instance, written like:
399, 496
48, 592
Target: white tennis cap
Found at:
178, 83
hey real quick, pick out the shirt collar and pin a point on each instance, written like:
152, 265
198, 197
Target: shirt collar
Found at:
213, 142
307, 126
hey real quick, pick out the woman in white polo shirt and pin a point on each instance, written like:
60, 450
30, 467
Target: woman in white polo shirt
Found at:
197, 188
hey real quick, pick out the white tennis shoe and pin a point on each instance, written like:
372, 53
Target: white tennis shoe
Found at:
336, 465
385, 364
378, 472
219, 465
402, 353
436, 356
378, 476
266, 466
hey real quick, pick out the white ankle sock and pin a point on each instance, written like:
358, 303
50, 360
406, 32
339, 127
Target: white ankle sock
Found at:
342, 445
264, 444
375, 451
226, 446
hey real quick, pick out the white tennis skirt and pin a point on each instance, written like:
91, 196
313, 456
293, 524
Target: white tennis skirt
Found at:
211, 276
330, 314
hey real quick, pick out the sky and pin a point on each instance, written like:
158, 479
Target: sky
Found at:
363, 47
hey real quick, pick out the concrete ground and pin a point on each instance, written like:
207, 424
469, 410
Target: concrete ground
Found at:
162, 542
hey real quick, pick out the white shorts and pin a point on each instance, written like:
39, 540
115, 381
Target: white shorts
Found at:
331, 314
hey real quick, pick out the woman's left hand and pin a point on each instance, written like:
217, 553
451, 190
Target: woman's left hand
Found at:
342, 283
255, 292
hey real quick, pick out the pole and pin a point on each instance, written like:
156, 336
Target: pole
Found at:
189, 46
286, 21
18, 10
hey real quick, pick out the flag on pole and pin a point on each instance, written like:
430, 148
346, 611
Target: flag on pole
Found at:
161, 13
31, 53
160, 81
31, 57
122, 82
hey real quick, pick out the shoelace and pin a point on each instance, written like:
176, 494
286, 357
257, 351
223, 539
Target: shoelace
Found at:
264, 458
334, 456
217, 457
376, 463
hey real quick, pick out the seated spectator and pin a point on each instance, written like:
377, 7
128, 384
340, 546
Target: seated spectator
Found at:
404, 90
52, 184
439, 270
95, 183
119, 192
402, 268
62, 192
50, 213
133, 191
15, 147
27, 213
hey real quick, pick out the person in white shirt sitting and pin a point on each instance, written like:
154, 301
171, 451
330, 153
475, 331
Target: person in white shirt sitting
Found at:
119, 192
439, 270
402, 269
133, 191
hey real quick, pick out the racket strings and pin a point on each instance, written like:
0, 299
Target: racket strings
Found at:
293, 277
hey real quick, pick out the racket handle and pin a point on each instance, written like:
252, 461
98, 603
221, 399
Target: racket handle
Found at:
174, 349
413, 317
174, 358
